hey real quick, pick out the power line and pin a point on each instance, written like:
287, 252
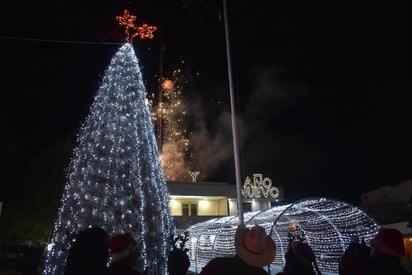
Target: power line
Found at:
59, 41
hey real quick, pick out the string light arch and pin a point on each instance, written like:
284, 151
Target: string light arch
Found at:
327, 225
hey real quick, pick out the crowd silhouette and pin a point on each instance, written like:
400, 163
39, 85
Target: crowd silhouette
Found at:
94, 252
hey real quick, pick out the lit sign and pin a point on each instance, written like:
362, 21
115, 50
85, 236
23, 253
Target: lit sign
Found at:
193, 175
260, 187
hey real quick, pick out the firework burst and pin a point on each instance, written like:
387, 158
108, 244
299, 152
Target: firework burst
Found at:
174, 139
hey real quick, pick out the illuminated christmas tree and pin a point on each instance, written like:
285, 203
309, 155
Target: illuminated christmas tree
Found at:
115, 180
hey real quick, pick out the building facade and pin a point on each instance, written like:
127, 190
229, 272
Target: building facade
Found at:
391, 206
194, 202
390, 203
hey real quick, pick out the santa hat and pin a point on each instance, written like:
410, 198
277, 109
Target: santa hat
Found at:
253, 246
121, 246
303, 252
389, 241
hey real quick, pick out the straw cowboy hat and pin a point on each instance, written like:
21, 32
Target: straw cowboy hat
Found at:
253, 246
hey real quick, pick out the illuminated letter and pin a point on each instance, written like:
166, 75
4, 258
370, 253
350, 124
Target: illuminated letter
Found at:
194, 175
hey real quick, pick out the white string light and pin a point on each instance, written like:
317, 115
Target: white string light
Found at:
327, 225
108, 186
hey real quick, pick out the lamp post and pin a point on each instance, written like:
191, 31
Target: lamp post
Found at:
234, 118
162, 48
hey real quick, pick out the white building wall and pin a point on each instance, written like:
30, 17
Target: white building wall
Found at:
389, 194
232, 207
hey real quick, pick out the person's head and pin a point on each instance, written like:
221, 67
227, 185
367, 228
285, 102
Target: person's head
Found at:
253, 246
89, 252
123, 249
353, 246
388, 241
178, 262
354, 239
300, 257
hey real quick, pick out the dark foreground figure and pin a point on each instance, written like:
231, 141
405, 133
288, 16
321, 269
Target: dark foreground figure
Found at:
254, 250
387, 251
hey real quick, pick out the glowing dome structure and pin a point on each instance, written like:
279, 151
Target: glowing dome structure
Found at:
327, 225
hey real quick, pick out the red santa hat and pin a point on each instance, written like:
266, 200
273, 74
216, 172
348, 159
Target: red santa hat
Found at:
121, 246
389, 241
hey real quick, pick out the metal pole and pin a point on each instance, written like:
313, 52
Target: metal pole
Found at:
162, 48
234, 118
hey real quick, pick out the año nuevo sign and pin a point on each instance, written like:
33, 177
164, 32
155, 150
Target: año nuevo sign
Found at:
259, 187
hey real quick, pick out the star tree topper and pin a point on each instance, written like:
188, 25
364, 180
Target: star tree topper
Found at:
131, 30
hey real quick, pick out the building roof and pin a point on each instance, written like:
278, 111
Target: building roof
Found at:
389, 193
401, 226
219, 189
202, 189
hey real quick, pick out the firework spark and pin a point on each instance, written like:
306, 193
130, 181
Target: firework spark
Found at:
175, 138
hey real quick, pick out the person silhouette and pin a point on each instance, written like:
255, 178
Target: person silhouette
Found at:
178, 262
89, 253
364, 253
387, 251
349, 261
300, 259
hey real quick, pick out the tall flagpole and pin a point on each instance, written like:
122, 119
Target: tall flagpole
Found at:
162, 48
234, 119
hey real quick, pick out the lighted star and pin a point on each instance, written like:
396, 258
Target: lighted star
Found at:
146, 31
131, 30
127, 19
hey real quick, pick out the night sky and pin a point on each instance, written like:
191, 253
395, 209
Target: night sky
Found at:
323, 89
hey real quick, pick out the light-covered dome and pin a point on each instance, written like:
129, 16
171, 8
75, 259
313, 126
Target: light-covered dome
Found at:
327, 225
